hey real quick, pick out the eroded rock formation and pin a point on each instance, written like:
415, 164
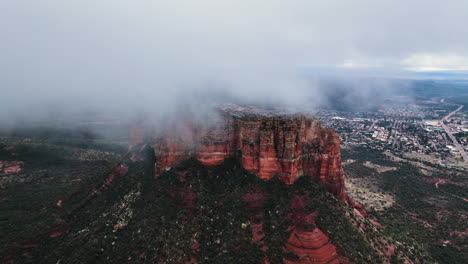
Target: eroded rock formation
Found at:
307, 243
270, 145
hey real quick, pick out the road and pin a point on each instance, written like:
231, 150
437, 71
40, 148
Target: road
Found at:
373, 124
454, 140
452, 113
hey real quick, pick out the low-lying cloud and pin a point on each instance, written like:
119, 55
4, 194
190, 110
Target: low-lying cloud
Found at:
128, 57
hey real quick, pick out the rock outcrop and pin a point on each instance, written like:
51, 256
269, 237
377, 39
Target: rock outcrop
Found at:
307, 243
311, 246
270, 145
10, 166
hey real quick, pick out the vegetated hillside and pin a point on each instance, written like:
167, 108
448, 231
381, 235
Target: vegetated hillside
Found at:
35, 174
284, 146
202, 214
430, 206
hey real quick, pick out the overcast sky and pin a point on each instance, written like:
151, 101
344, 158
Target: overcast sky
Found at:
138, 53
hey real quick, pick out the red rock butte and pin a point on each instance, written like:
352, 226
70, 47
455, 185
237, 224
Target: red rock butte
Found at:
266, 143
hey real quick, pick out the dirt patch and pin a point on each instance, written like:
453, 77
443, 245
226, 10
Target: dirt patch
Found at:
379, 168
348, 161
449, 162
438, 201
424, 169
368, 194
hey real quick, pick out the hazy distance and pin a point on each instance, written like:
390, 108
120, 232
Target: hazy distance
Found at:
127, 58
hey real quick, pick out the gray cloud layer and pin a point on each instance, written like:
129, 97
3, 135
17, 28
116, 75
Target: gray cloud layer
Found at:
149, 55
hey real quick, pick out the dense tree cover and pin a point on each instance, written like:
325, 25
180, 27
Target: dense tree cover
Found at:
50, 172
145, 219
361, 153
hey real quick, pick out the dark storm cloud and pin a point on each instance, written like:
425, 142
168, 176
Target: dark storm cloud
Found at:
153, 55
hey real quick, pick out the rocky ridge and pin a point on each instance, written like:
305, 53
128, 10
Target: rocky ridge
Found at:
270, 145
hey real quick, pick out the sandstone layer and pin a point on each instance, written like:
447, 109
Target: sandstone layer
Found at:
281, 146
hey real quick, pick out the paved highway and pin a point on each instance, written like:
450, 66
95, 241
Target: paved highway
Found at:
454, 140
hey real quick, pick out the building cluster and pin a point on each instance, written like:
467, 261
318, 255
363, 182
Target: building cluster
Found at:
400, 131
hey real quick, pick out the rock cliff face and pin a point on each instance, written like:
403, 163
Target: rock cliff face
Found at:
283, 146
